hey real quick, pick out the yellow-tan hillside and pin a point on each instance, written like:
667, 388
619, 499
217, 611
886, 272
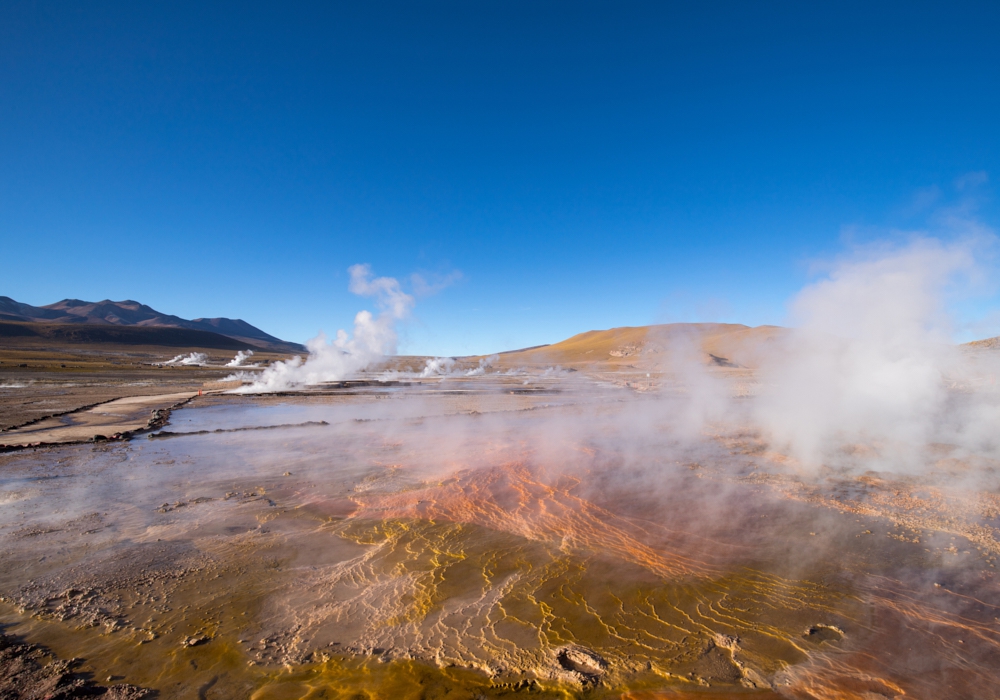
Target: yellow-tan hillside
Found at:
658, 346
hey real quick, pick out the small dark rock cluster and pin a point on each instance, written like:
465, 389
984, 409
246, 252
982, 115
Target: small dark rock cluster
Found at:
30, 671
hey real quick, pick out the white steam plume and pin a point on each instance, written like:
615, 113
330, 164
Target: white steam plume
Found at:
446, 367
241, 359
373, 338
871, 361
484, 364
194, 359
438, 367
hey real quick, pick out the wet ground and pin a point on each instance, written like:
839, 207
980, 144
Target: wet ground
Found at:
42, 379
542, 536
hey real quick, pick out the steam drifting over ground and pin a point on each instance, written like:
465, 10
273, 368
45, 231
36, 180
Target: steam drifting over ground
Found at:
373, 338
871, 362
242, 359
867, 376
191, 359
567, 537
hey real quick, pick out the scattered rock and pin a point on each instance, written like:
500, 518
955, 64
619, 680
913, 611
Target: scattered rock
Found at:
823, 633
587, 664
25, 674
727, 641
722, 361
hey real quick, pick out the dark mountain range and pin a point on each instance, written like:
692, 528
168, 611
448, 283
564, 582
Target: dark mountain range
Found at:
132, 313
59, 334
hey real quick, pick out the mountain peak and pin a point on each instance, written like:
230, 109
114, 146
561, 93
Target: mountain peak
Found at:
66, 304
133, 313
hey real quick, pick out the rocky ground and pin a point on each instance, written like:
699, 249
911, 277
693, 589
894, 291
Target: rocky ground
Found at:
30, 672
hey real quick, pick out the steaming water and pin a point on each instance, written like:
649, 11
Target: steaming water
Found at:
483, 537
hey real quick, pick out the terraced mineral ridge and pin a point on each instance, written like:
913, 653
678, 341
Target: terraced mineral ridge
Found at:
498, 536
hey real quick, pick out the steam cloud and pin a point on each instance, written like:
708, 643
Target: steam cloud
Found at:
448, 367
871, 364
241, 359
484, 364
373, 338
438, 366
868, 377
194, 359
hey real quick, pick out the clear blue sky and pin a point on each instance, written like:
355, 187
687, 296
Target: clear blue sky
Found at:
582, 165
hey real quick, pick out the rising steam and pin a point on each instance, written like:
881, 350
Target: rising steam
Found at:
373, 338
485, 364
438, 367
194, 359
242, 359
448, 367
871, 364
868, 376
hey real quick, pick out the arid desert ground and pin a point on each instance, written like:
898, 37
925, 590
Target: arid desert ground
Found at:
600, 518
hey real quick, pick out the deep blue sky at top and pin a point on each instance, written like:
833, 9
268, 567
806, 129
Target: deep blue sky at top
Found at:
582, 165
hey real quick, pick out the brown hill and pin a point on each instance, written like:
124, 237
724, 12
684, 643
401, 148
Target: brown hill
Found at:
720, 344
132, 313
13, 334
985, 344
657, 346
